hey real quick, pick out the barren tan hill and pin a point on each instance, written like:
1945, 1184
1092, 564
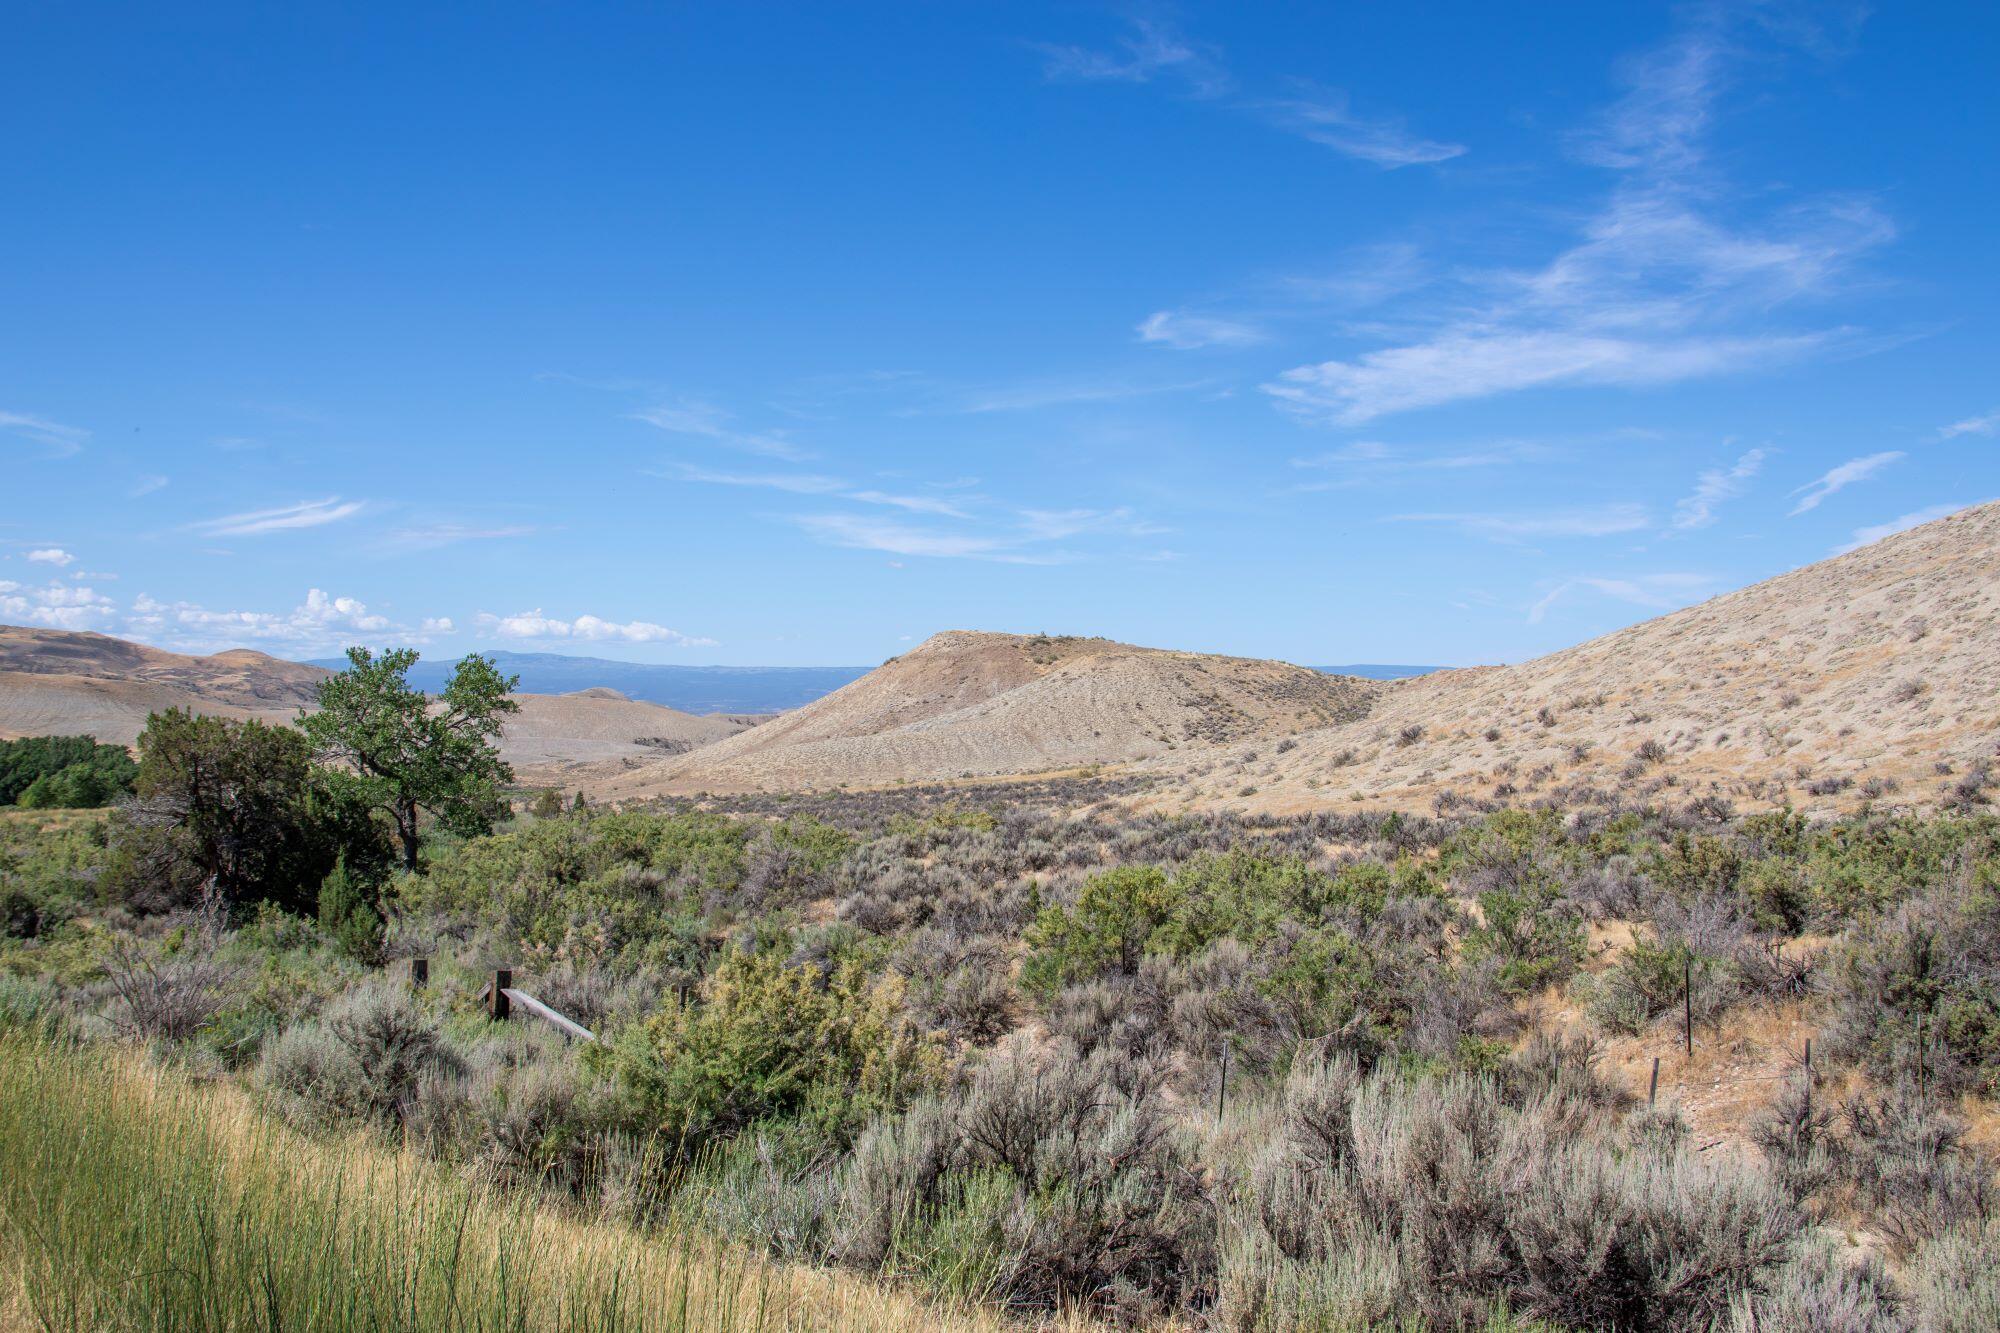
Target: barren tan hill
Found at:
1860, 674
56, 682
966, 704
595, 725
238, 679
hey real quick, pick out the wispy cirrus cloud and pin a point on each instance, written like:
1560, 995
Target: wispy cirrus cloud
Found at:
1148, 50
807, 483
1715, 487
1663, 592
1989, 424
1471, 364
1597, 521
1366, 461
1186, 332
1040, 394
534, 625
146, 486
1661, 286
1840, 478
1152, 50
706, 421
58, 440
1026, 537
1328, 118
285, 518
433, 536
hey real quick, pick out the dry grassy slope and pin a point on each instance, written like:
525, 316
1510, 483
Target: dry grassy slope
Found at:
240, 678
965, 703
1877, 664
55, 682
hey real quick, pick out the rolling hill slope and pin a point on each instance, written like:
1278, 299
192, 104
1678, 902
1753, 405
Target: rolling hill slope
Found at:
965, 704
57, 682
1877, 666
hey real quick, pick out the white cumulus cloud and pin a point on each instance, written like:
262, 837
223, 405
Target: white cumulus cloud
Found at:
535, 625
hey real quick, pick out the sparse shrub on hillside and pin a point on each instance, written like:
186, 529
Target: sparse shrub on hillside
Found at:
1918, 995
364, 1060
1954, 1281
1908, 1158
1821, 1291
165, 996
1381, 1201
1049, 1181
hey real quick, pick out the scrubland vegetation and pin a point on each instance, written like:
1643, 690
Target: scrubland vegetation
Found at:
1010, 1047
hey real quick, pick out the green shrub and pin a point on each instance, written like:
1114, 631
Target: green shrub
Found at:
1534, 933
765, 1040
1107, 931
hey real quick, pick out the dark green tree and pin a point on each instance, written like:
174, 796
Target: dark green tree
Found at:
219, 802
400, 752
48, 772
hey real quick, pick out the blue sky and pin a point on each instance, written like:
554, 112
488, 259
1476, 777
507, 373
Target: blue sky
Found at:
791, 334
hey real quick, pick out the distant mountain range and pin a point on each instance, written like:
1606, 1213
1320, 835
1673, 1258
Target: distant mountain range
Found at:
691, 689
1378, 670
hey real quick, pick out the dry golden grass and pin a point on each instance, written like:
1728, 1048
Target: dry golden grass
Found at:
133, 1197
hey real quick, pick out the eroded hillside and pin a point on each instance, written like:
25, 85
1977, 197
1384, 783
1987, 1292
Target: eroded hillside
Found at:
965, 704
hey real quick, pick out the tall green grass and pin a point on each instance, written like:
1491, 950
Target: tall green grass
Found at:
134, 1198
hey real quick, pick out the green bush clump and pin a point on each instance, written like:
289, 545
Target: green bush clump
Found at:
1122, 915
766, 1040
63, 772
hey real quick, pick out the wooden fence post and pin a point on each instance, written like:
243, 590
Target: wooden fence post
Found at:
1653, 1087
503, 977
1222, 1089
1809, 1082
1687, 1001
420, 973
